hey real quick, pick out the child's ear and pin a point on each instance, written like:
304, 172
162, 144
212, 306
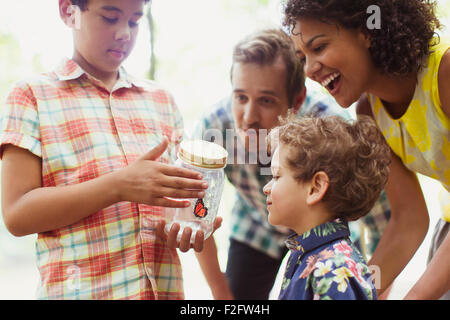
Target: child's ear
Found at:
318, 187
70, 14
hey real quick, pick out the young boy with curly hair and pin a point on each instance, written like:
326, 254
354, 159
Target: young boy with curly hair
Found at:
326, 171
398, 72
84, 166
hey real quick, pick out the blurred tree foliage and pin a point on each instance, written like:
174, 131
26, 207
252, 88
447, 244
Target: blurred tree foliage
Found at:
227, 7
152, 32
444, 7
9, 62
12, 65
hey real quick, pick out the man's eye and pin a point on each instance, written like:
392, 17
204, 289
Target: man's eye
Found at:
241, 98
267, 101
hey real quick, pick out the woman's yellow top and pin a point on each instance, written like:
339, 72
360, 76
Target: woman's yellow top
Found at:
421, 136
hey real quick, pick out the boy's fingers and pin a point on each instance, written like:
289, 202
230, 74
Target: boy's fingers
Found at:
185, 241
179, 193
184, 183
172, 236
217, 224
169, 203
160, 233
171, 170
198, 242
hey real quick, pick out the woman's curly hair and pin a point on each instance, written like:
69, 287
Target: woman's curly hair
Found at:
354, 155
398, 47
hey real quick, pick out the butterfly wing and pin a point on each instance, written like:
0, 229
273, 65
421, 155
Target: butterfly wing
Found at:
200, 210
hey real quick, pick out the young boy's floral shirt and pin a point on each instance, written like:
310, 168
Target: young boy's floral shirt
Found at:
324, 264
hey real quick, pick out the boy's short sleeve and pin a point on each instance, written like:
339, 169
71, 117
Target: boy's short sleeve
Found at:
19, 121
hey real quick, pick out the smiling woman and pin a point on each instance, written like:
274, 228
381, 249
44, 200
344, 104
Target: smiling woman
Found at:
344, 75
398, 75
398, 47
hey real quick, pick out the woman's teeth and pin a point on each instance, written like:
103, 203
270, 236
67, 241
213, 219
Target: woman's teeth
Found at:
327, 81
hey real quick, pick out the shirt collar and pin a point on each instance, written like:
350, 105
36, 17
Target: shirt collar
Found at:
68, 69
318, 236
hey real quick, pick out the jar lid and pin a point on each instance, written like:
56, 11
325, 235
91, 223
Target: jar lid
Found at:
203, 154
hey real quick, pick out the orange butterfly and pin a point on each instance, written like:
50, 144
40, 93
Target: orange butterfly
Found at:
200, 210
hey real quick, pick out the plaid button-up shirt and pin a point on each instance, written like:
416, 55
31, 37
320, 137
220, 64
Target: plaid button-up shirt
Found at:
82, 131
249, 223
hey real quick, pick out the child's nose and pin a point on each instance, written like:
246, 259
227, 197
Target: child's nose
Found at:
266, 189
123, 33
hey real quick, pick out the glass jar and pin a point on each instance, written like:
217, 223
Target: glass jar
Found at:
209, 159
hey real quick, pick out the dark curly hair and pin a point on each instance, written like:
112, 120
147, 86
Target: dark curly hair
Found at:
83, 3
354, 155
398, 47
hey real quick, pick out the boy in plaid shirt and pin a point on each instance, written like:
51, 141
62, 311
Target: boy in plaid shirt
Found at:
84, 166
